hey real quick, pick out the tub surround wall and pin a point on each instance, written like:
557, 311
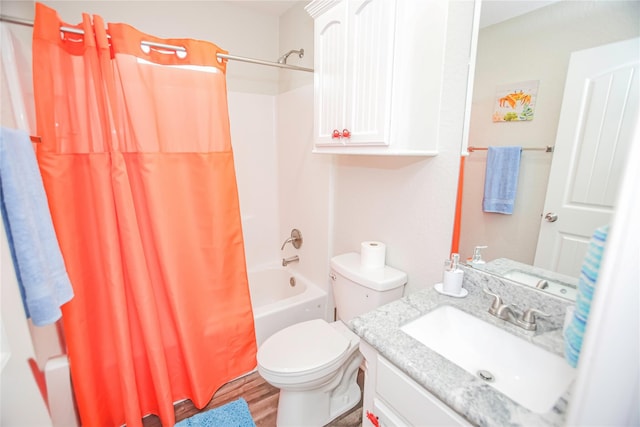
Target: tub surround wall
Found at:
304, 179
467, 395
304, 188
254, 148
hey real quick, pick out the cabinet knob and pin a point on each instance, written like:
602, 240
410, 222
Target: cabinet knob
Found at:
336, 134
346, 133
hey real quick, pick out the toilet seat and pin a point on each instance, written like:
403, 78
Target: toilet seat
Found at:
304, 351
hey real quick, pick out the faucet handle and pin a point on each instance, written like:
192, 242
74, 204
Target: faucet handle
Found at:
497, 300
529, 316
477, 256
295, 239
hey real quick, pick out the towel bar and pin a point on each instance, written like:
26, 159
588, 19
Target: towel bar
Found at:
547, 149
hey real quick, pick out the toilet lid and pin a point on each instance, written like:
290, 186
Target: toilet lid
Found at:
305, 346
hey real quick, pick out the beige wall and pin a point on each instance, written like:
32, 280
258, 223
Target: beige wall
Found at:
535, 46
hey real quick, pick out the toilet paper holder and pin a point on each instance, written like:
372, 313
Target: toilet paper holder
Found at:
295, 239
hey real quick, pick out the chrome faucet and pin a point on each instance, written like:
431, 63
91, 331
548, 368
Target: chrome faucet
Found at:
542, 284
295, 239
505, 312
526, 320
287, 261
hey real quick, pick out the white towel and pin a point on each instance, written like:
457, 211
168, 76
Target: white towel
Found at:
44, 283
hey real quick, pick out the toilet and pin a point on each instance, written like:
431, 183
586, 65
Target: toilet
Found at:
315, 363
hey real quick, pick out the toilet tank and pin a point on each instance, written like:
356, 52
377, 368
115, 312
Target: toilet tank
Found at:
357, 290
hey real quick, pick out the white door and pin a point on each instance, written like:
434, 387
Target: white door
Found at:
595, 131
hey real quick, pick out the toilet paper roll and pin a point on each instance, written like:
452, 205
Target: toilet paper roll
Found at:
372, 254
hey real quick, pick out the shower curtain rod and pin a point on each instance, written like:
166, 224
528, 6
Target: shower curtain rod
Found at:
28, 23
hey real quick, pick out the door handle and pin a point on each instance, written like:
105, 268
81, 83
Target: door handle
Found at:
551, 217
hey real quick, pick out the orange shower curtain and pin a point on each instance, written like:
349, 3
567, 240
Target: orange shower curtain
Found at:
137, 164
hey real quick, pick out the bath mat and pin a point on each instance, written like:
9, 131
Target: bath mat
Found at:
232, 414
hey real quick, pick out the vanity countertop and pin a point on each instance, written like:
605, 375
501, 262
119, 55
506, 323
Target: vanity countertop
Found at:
471, 397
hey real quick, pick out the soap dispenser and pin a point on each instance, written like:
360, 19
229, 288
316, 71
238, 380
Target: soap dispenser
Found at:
477, 260
452, 277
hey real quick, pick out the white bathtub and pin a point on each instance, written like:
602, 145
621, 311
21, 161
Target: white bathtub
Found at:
278, 304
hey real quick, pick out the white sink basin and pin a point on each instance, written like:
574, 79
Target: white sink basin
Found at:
554, 287
529, 375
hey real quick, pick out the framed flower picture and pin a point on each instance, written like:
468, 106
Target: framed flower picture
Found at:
515, 102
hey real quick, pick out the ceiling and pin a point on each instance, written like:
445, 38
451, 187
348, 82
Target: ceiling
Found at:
493, 11
268, 7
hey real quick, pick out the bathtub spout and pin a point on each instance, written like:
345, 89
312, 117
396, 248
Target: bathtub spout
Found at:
286, 261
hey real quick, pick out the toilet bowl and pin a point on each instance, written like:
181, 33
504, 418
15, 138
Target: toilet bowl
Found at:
315, 363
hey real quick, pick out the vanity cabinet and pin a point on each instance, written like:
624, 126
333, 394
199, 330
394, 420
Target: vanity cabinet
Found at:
395, 400
381, 68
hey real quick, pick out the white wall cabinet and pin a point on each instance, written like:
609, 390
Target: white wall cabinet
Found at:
379, 75
353, 51
395, 400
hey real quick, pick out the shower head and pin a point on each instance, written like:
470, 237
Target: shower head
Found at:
283, 58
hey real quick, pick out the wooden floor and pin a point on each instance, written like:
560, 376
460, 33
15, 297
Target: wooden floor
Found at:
262, 399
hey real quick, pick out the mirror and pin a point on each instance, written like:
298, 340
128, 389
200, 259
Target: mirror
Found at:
535, 46
550, 282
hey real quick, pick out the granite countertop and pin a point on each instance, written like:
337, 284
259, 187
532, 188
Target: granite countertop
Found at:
468, 395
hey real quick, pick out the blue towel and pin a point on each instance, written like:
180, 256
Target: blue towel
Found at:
42, 277
588, 276
501, 179
232, 414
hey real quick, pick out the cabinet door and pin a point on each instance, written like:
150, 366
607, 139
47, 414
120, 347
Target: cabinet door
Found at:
369, 68
330, 66
409, 401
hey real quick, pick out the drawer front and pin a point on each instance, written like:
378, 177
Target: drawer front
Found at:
386, 416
